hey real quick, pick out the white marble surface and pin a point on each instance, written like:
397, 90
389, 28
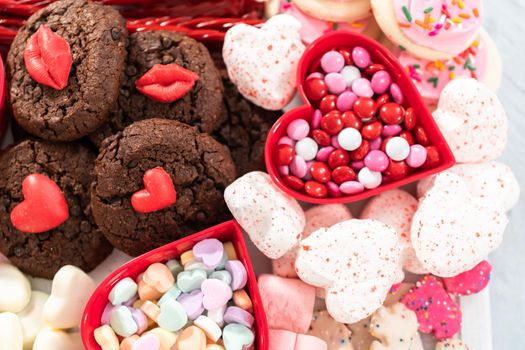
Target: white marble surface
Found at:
504, 21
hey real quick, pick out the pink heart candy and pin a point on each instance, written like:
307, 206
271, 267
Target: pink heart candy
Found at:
209, 251
147, 342
216, 294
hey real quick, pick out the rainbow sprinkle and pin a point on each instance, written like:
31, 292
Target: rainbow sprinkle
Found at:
407, 14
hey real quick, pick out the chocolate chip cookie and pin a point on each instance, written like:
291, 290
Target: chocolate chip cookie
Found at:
77, 241
244, 128
201, 106
97, 37
199, 167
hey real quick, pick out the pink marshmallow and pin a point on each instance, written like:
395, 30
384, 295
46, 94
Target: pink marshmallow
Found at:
308, 342
279, 339
289, 303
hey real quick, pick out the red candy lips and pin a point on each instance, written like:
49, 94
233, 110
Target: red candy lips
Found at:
166, 83
47, 58
365, 128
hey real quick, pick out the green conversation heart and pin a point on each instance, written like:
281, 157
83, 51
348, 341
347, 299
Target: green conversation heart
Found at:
172, 315
188, 281
237, 336
122, 322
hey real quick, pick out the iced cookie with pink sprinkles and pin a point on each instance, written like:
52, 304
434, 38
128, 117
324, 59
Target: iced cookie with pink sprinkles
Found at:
481, 61
431, 29
314, 27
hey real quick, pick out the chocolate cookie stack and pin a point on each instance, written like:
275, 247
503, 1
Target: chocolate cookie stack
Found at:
164, 122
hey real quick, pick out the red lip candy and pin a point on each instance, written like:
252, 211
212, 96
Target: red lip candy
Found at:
47, 58
44, 206
166, 83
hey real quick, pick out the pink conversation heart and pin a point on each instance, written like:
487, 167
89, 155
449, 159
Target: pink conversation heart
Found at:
147, 342
216, 294
209, 251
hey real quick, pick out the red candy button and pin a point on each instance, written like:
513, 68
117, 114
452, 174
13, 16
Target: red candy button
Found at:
361, 152
315, 189
374, 68
372, 130
391, 113
342, 174
321, 137
350, 120
159, 192
328, 103
294, 182
320, 171
315, 89
365, 107
47, 58
410, 119
421, 136
166, 83
407, 136
337, 158
332, 123
347, 56
44, 206
433, 158
381, 100
285, 154
397, 170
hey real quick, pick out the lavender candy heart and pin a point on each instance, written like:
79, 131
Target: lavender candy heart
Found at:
238, 273
192, 304
140, 319
209, 251
235, 314
106, 314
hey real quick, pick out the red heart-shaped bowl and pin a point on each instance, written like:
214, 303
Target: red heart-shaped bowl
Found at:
229, 231
412, 98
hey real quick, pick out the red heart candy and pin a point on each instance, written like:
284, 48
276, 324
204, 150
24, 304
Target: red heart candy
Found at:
48, 58
44, 206
159, 192
166, 82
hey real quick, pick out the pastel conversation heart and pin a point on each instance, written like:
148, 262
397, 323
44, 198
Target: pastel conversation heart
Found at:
159, 276
472, 120
253, 200
70, 292
188, 281
192, 303
31, 215
147, 342
436, 312
172, 316
192, 338
262, 62
124, 290
159, 192
493, 184
122, 322
210, 252
237, 336
451, 232
396, 208
216, 294
356, 283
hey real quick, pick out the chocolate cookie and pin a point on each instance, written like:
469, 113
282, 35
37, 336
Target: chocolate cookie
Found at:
198, 166
244, 127
201, 106
77, 241
97, 38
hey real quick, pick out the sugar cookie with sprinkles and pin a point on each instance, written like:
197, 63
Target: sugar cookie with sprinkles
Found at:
480, 61
335, 10
433, 29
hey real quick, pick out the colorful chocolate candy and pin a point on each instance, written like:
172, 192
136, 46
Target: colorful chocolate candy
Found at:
201, 296
360, 134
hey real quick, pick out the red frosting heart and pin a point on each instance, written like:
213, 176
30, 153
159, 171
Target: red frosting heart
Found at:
166, 82
310, 62
159, 192
48, 58
44, 206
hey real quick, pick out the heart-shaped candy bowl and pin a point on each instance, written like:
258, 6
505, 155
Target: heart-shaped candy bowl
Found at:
364, 128
228, 231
